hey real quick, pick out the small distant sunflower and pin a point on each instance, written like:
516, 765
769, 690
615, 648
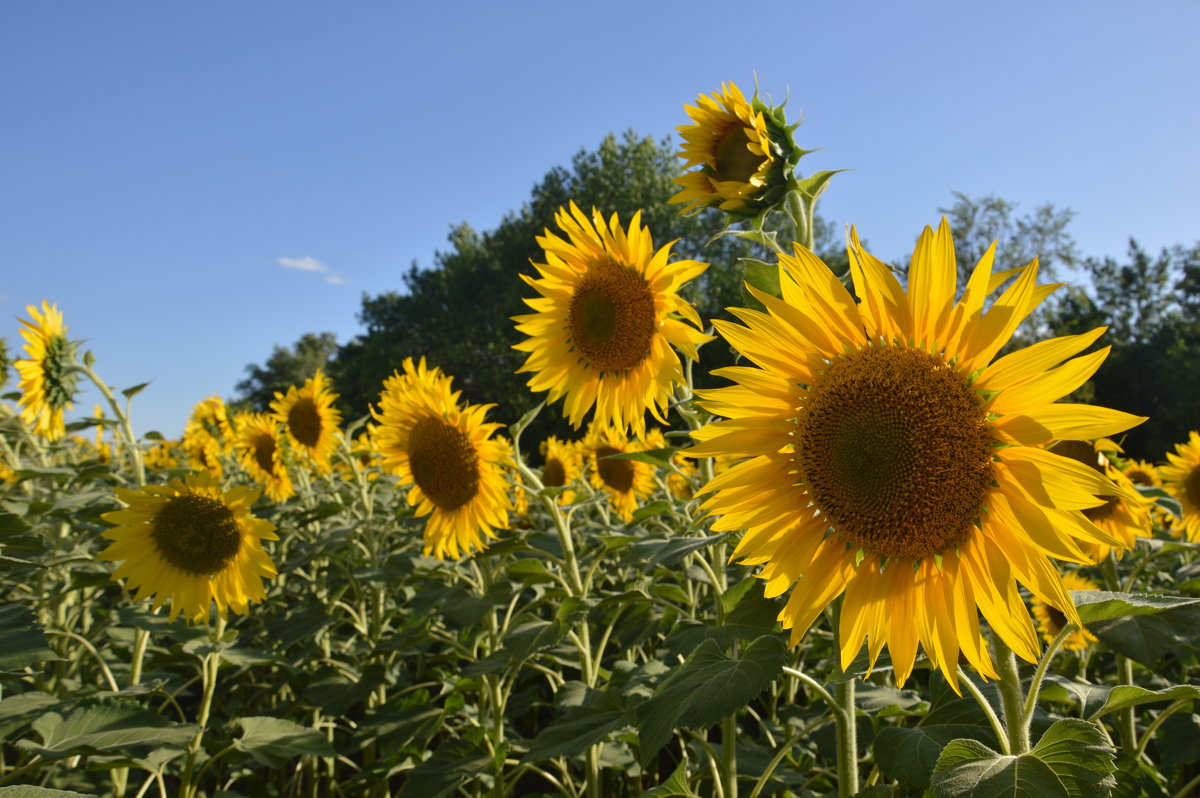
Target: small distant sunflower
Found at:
189, 542
161, 456
743, 153
889, 459
1051, 621
48, 378
627, 482
448, 455
310, 420
562, 464
259, 450
1142, 473
1181, 478
1126, 517
608, 314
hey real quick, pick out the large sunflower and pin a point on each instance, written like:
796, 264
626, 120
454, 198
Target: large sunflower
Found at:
308, 417
893, 461
190, 543
627, 482
1051, 621
449, 456
48, 377
729, 145
1181, 478
258, 445
608, 314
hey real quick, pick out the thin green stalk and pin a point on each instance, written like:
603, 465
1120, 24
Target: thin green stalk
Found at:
1158, 721
993, 718
122, 415
141, 639
1035, 684
1126, 721
1012, 698
209, 665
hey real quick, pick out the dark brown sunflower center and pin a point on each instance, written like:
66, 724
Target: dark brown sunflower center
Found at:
264, 453
197, 534
732, 159
612, 317
444, 463
304, 422
895, 451
1139, 477
616, 474
553, 473
1191, 486
1085, 453
58, 376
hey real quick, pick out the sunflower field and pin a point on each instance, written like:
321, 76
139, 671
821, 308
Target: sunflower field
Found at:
891, 556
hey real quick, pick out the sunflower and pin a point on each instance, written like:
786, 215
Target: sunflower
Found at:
562, 464
1142, 473
1051, 621
161, 456
449, 456
191, 543
607, 316
1126, 518
1181, 478
743, 152
49, 377
309, 419
627, 482
258, 446
892, 460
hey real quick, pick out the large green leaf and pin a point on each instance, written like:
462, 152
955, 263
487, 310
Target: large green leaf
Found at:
1131, 696
274, 741
448, 767
106, 727
22, 643
1103, 605
26, 791
707, 687
909, 755
1080, 756
674, 787
581, 727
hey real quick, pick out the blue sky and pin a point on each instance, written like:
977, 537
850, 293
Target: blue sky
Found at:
194, 183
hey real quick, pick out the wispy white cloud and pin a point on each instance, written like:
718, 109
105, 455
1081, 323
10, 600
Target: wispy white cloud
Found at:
311, 264
305, 264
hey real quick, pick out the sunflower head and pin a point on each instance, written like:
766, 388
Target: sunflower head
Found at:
191, 543
562, 464
49, 377
882, 453
448, 455
308, 418
1125, 517
625, 481
259, 446
742, 153
608, 314
1181, 478
1051, 621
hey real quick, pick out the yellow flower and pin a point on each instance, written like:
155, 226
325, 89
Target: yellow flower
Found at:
1126, 517
310, 420
449, 456
742, 152
161, 456
627, 482
1181, 478
1142, 473
190, 543
892, 460
1051, 621
48, 378
259, 450
606, 318
562, 464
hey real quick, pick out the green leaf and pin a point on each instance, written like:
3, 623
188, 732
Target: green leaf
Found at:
26, 791
451, 765
1090, 697
909, 755
674, 787
671, 552
707, 687
763, 276
22, 643
17, 711
970, 769
107, 726
579, 728
274, 741
652, 509
530, 570
516, 429
815, 184
1131, 696
129, 393
1080, 756
1103, 605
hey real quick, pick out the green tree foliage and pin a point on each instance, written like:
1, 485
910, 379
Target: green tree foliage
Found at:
976, 222
287, 366
458, 313
1151, 306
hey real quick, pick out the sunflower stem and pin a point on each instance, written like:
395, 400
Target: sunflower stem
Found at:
124, 424
985, 705
140, 640
844, 719
1035, 684
209, 665
1012, 698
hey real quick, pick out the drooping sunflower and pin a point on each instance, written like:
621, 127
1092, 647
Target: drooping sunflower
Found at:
893, 462
48, 377
607, 316
448, 455
259, 449
308, 417
742, 153
562, 464
1181, 478
1051, 621
627, 482
189, 542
